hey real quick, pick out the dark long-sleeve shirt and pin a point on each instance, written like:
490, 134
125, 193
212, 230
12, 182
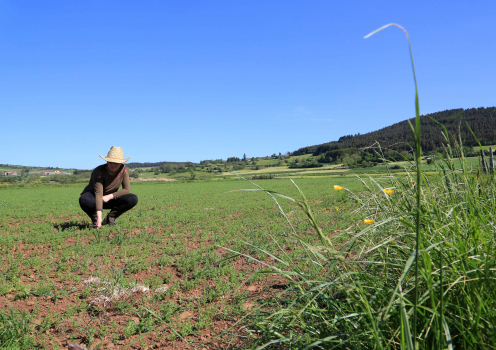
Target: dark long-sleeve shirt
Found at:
102, 184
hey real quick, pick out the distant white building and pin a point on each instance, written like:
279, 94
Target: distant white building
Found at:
56, 172
11, 173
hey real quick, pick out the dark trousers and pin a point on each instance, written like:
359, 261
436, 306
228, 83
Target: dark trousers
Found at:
87, 202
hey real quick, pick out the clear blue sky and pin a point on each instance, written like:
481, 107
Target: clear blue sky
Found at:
194, 80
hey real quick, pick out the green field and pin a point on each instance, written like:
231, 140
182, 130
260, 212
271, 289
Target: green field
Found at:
173, 237
200, 264
266, 166
284, 171
485, 148
5, 169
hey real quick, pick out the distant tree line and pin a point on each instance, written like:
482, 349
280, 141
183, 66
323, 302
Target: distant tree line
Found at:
399, 137
27, 177
148, 165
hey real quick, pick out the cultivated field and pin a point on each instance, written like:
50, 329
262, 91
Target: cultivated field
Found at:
163, 278
204, 265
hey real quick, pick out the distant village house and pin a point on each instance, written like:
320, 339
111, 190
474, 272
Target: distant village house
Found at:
56, 172
11, 173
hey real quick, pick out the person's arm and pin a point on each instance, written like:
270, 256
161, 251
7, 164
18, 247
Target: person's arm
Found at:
98, 219
108, 197
99, 196
126, 187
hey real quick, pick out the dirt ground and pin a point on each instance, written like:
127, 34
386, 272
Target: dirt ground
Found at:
99, 321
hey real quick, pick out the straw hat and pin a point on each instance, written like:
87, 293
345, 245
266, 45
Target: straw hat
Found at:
115, 155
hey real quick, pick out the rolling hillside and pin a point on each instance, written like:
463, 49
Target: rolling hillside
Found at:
482, 121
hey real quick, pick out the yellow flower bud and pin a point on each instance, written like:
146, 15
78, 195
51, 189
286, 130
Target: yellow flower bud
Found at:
338, 188
368, 221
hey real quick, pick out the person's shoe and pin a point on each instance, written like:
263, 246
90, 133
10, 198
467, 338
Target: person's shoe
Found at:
110, 218
108, 221
94, 218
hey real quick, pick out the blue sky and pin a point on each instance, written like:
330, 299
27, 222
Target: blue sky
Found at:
194, 80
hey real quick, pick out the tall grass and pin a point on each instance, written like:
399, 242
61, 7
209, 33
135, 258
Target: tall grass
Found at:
422, 276
15, 329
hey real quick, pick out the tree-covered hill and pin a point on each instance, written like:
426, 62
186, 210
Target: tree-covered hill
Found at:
152, 164
398, 136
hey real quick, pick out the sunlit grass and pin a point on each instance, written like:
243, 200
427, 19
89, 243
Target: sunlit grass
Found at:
48, 251
419, 272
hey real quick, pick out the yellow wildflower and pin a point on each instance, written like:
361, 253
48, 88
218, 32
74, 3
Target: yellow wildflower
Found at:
389, 191
338, 188
368, 221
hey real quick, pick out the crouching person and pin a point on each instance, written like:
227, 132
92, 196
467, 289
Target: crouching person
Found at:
103, 190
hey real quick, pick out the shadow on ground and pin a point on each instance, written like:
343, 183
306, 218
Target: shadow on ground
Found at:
71, 224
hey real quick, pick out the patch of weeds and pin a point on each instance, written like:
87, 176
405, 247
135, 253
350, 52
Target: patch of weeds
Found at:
88, 333
236, 305
94, 310
189, 262
118, 238
147, 322
153, 282
186, 327
149, 237
123, 307
134, 267
43, 288
85, 293
71, 311
162, 295
168, 277
168, 310
183, 328
103, 331
15, 330
206, 317
13, 272
46, 323
65, 277
210, 294
55, 296
188, 284
164, 260
108, 236
24, 292
130, 329
6, 288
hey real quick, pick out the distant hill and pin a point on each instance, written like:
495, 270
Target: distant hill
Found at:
148, 164
397, 136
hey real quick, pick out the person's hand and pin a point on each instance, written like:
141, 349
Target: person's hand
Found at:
98, 219
108, 197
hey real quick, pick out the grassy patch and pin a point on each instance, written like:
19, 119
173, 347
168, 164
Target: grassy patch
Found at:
172, 239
